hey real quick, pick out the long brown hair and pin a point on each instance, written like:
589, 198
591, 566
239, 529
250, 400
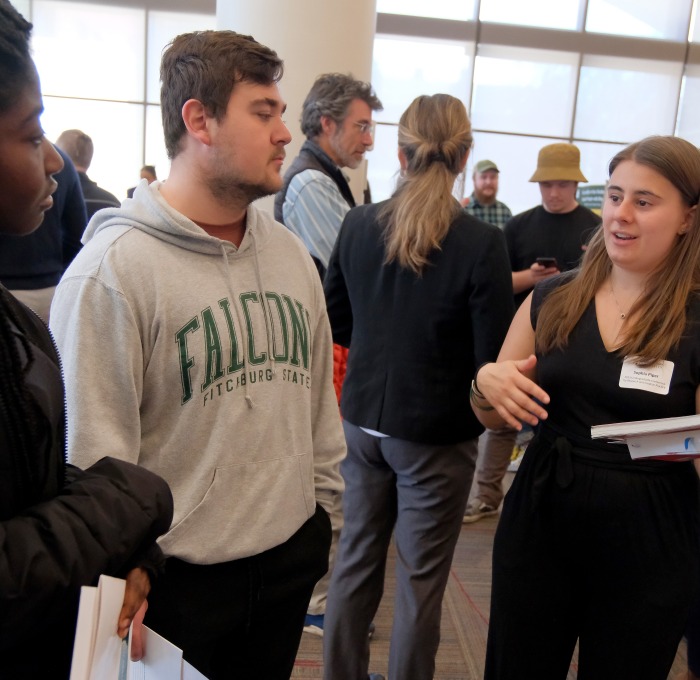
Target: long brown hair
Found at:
435, 136
661, 318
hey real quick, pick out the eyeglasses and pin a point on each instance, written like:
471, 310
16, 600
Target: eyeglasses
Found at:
366, 127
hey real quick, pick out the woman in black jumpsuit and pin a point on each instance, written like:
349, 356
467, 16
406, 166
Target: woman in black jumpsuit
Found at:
593, 545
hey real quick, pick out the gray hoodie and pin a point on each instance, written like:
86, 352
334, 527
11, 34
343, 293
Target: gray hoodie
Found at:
208, 364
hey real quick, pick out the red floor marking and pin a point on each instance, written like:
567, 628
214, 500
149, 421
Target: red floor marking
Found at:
469, 599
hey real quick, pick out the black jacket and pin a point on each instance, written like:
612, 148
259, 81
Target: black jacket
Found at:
416, 341
61, 527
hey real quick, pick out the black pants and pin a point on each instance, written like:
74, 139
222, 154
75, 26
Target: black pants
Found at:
243, 619
602, 551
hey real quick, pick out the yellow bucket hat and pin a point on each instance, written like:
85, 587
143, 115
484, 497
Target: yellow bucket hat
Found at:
558, 163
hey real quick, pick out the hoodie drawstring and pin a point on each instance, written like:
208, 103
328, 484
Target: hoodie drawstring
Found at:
239, 321
266, 307
237, 311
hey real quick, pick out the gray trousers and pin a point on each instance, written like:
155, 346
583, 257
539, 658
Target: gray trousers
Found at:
493, 465
418, 492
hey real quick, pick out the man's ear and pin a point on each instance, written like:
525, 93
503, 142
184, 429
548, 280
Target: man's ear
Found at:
328, 125
197, 121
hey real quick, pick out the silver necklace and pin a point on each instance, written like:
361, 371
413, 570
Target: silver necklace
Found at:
623, 315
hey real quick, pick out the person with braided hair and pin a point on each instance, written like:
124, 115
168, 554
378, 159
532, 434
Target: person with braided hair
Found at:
421, 293
60, 527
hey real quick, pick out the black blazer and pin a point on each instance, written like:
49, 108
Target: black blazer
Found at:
415, 342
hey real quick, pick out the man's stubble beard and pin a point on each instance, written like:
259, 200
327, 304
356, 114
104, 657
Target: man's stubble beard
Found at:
491, 200
345, 160
237, 193
231, 190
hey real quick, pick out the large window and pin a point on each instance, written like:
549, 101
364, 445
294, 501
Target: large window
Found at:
99, 68
598, 73
407, 67
626, 99
562, 14
441, 9
523, 90
688, 118
643, 18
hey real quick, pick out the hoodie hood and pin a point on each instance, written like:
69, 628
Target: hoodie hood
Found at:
146, 210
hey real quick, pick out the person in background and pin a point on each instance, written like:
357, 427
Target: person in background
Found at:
315, 195
412, 440
558, 230
592, 545
497, 446
483, 202
32, 265
195, 340
60, 527
148, 172
80, 148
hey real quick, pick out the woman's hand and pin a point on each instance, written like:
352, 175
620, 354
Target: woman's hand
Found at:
133, 609
507, 388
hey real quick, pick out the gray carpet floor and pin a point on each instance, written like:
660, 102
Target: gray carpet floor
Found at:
464, 619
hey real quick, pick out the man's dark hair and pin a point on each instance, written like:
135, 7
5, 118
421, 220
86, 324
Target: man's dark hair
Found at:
331, 95
16, 65
206, 65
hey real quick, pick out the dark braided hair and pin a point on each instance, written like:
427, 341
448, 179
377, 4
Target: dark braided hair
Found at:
17, 408
16, 65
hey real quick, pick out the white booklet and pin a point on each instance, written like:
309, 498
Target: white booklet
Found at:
99, 653
97, 650
662, 438
162, 661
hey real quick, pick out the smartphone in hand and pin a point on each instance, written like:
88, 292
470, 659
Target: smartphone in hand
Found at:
547, 261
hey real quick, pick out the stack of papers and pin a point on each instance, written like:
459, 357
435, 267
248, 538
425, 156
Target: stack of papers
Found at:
662, 438
99, 653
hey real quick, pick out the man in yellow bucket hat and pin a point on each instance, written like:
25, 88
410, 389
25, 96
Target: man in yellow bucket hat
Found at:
555, 232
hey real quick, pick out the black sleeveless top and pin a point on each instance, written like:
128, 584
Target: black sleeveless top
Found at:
582, 380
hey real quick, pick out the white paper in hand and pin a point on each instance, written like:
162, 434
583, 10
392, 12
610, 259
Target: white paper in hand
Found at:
97, 647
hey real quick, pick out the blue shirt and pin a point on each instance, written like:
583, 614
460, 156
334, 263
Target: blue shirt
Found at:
314, 209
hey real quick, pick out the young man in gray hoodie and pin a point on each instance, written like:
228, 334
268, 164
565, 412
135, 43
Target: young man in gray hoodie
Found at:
195, 342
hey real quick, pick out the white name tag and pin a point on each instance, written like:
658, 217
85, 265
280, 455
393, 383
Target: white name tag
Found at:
656, 378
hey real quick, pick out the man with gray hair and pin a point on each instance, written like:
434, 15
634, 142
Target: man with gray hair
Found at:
315, 196
337, 121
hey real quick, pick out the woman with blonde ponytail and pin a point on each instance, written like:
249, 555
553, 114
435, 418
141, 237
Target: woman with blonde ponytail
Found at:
421, 293
593, 545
